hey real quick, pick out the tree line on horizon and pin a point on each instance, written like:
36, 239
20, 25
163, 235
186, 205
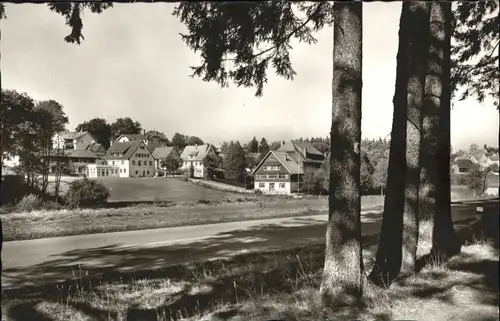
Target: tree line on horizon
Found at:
429, 72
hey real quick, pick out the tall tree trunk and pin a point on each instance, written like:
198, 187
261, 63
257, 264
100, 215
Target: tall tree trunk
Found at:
342, 281
388, 258
430, 115
399, 231
444, 240
420, 12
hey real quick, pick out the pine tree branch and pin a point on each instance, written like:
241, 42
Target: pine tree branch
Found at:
285, 39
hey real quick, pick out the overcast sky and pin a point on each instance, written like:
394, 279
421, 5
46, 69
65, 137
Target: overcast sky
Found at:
134, 63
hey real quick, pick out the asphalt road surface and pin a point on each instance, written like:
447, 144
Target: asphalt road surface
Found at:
42, 261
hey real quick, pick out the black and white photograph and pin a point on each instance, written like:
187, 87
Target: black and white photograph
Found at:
249, 160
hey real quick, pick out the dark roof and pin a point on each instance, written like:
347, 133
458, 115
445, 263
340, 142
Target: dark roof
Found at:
284, 158
126, 150
199, 152
78, 153
308, 147
155, 133
162, 152
304, 149
96, 148
133, 137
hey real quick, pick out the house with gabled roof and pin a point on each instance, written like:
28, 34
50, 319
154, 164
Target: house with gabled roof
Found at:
96, 148
151, 138
462, 165
75, 160
125, 138
76, 150
160, 154
133, 159
283, 170
193, 157
72, 140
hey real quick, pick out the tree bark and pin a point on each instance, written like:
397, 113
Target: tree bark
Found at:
400, 209
430, 115
388, 258
420, 12
342, 282
444, 240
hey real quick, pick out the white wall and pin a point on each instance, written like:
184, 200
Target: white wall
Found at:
123, 165
277, 189
94, 171
198, 167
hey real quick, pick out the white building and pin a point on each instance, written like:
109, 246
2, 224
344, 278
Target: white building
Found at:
72, 140
282, 171
193, 156
133, 159
99, 170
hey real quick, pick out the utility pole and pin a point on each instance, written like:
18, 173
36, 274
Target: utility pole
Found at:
298, 174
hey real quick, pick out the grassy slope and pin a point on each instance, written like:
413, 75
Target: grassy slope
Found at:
281, 284
156, 189
22, 226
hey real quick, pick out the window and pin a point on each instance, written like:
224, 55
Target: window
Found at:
121, 171
283, 176
133, 162
113, 163
124, 170
262, 185
282, 185
138, 163
271, 157
136, 172
272, 168
123, 162
272, 176
148, 172
262, 176
141, 147
150, 163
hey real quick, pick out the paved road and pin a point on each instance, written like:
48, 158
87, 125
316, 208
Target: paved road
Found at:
33, 262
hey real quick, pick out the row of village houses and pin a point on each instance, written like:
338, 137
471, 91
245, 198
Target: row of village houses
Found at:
141, 155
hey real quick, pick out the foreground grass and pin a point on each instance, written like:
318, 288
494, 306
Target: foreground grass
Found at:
41, 224
272, 285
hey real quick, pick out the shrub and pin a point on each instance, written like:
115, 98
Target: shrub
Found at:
52, 206
86, 193
13, 189
29, 203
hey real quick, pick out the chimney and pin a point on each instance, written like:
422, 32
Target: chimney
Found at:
282, 142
